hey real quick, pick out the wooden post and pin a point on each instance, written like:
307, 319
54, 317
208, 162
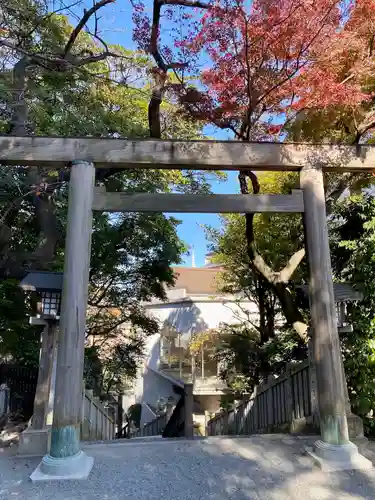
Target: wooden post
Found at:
44, 376
193, 370
325, 339
189, 410
65, 434
270, 412
225, 430
179, 356
207, 428
120, 411
289, 397
202, 361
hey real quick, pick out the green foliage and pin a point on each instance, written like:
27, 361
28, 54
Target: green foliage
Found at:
277, 237
284, 348
353, 259
131, 253
119, 366
258, 346
238, 350
92, 372
19, 342
134, 414
112, 367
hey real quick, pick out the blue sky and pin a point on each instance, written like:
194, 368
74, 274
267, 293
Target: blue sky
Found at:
191, 231
116, 28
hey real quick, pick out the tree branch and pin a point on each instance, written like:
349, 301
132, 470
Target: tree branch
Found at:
275, 279
88, 13
367, 124
163, 67
285, 274
187, 3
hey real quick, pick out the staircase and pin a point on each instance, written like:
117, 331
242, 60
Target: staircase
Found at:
175, 423
153, 428
99, 421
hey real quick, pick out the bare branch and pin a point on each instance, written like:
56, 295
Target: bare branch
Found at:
187, 3
367, 124
93, 59
88, 13
161, 75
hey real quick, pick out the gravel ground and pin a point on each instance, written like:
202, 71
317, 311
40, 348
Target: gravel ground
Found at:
256, 468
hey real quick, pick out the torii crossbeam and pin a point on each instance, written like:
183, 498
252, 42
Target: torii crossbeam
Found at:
202, 155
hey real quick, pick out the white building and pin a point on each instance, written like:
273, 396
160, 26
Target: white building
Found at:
194, 305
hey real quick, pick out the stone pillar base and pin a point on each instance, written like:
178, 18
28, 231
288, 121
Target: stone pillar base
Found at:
34, 442
57, 469
330, 457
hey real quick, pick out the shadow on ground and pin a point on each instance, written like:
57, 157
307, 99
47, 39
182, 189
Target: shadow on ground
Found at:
256, 468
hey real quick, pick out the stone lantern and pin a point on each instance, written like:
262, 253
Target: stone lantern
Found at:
47, 286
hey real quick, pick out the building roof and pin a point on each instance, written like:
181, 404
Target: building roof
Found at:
203, 280
196, 280
42, 280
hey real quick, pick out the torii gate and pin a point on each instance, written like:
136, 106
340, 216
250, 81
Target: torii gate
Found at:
66, 461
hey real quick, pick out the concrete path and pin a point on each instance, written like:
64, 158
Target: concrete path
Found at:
256, 468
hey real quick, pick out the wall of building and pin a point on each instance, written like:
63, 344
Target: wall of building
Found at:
189, 317
186, 317
128, 399
210, 403
199, 314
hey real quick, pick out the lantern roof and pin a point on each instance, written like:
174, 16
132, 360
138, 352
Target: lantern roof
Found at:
42, 280
344, 292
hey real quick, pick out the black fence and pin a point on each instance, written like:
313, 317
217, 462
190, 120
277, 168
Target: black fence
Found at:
22, 382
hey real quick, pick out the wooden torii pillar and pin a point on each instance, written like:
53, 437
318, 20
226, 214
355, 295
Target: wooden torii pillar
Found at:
325, 338
66, 460
334, 451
